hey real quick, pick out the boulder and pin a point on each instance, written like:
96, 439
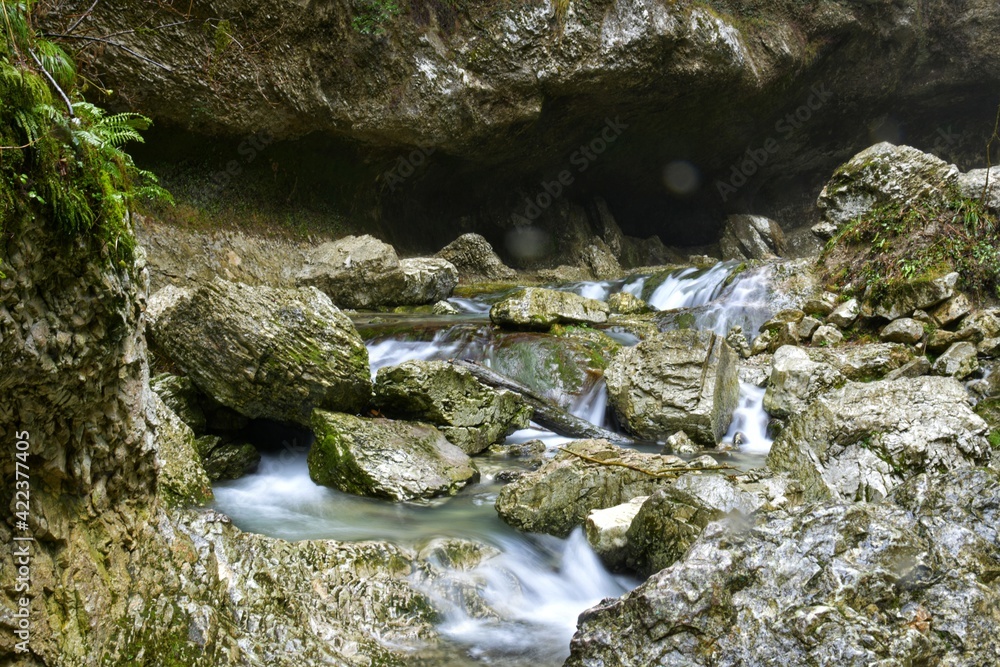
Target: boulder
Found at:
539, 308
844, 315
600, 260
664, 527
624, 303
911, 369
587, 475
181, 396
864, 363
677, 380
606, 529
751, 237
806, 327
952, 310
880, 175
425, 280
181, 479
796, 381
904, 330
917, 295
680, 443
471, 415
959, 361
230, 460
977, 182
383, 458
474, 259
267, 352
738, 341
906, 582
827, 335
860, 441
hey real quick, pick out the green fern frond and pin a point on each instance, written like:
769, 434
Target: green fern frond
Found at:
55, 61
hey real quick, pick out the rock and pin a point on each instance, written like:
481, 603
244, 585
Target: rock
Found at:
923, 317
973, 184
267, 352
530, 449
860, 441
796, 381
984, 324
162, 300
904, 330
920, 566
444, 308
557, 497
471, 415
680, 443
678, 380
362, 272
624, 303
181, 479
827, 335
864, 363
605, 530
761, 343
805, 329
538, 308
952, 310
182, 397
476, 262
880, 175
738, 341
844, 315
751, 237
919, 294
388, 459
958, 361
821, 305
456, 554
727, 493
230, 461
600, 260
911, 369
940, 340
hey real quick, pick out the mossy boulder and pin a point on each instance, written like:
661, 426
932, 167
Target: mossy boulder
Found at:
181, 478
181, 396
539, 308
471, 415
383, 458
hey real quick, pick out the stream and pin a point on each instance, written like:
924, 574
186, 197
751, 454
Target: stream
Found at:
538, 585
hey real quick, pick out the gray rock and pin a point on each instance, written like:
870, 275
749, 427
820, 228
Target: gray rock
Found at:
919, 294
538, 308
827, 335
805, 329
606, 531
751, 237
474, 259
796, 381
959, 361
844, 315
471, 415
940, 340
600, 260
820, 305
907, 581
911, 369
979, 181
388, 459
860, 441
557, 498
624, 303
181, 479
678, 380
425, 280
864, 363
230, 461
444, 308
680, 443
904, 330
738, 341
952, 310
181, 396
663, 529
267, 352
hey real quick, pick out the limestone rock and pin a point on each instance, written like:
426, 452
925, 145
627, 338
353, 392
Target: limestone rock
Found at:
230, 460
958, 361
796, 381
751, 237
805, 329
844, 315
977, 181
663, 529
917, 295
904, 330
388, 459
680, 443
860, 441
606, 529
827, 335
538, 308
678, 380
471, 415
864, 363
267, 352
181, 396
181, 479
624, 303
911, 369
474, 259
952, 310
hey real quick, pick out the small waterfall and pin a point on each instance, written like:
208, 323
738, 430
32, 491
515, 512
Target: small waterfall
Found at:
690, 288
748, 302
446, 344
592, 404
751, 420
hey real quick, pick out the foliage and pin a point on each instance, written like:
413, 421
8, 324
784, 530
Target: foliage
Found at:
372, 15
893, 245
61, 158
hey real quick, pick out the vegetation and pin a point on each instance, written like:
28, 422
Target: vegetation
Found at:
371, 15
894, 245
61, 158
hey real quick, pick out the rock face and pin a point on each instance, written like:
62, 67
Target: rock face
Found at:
663, 529
976, 182
181, 479
538, 308
389, 459
921, 294
362, 272
904, 330
677, 380
908, 581
751, 237
267, 352
879, 175
468, 413
862, 440
864, 363
182, 397
606, 531
796, 381
557, 498
958, 361
474, 259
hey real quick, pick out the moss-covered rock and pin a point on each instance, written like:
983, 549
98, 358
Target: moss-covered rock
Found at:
181, 396
231, 461
181, 478
539, 308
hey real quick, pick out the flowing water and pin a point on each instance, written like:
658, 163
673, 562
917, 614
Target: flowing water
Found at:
538, 585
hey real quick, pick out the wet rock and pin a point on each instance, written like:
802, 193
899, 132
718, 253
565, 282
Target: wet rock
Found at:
738, 341
977, 182
181, 396
796, 381
678, 380
880, 175
388, 459
864, 363
680, 443
940, 340
860, 441
663, 529
558, 497
827, 335
267, 352
606, 531
820, 305
952, 310
230, 460
911, 369
751, 237
844, 315
958, 361
456, 554
425, 280
904, 330
444, 308
529, 449
181, 479
468, 413
624, 303
474, 259
538, 308
907, 581
601, 260
918, 294
805, 329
